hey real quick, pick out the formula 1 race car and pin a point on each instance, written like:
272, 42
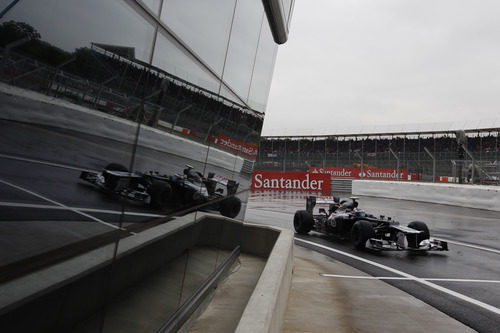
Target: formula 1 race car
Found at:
159, 191
346, 220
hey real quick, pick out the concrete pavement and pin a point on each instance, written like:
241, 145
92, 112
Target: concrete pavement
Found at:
325, 304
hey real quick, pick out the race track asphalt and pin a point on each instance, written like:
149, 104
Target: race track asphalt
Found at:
468, 276
44, 205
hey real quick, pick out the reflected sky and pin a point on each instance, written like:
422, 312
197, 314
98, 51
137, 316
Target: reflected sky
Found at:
264, 64
203, 25
154, 5
170, 57
74, 30
243, 46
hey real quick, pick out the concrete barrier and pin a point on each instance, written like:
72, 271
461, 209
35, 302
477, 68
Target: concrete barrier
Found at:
471, 196
35, 108
57, 297
266, 308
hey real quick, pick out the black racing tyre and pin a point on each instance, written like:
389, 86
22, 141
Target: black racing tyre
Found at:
111, 180
230, 207
161, 194
116, 167
361, 231
415, 239
303, 222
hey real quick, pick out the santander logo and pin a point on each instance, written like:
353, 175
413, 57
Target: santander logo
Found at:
288, 184
368, 173
291, 180
335, 172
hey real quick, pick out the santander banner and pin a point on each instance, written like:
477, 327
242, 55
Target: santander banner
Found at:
225, 141
369, 173
291, 181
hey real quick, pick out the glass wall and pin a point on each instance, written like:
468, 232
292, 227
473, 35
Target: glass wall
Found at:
117, 115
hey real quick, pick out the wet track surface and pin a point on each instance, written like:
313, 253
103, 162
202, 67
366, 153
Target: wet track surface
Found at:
463, 282
45, 206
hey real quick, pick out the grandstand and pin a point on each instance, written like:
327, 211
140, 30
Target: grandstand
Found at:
424, 155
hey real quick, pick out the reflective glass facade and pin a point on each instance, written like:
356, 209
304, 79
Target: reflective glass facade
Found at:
119, 114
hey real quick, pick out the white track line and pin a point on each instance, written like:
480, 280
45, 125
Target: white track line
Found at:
81, 209
410, 277
23, 159
477, 247
62, 205
406, 278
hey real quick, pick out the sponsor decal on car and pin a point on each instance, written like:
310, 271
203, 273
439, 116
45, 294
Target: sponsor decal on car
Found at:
291, 180
355, 173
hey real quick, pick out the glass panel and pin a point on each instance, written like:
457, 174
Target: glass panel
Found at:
225, 92
79, 129
243, 46
69, 122
103, 137
226, 158
154, 5
75, 32
203, 25
183, 123
170, 57
263, 70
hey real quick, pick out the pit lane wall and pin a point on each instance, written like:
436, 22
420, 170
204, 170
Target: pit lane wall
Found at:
470, 196
31, 107
32, 302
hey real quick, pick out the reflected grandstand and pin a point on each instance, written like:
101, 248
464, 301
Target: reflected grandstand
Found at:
110, 79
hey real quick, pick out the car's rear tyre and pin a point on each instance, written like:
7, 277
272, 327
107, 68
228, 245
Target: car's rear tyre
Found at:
161, 194
303, 222
415, 239
361, 232
116, 167
230, 207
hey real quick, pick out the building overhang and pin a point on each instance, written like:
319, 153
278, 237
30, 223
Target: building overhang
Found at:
278, 20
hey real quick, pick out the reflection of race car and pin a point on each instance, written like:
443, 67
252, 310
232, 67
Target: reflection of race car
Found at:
346, 220
160, 191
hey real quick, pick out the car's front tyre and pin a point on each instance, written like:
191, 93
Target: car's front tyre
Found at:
361, 232
415, 239
303, 222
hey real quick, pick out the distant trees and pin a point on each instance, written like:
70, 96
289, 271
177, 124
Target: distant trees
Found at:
35, 48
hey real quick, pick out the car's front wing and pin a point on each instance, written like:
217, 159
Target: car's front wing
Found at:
430, 244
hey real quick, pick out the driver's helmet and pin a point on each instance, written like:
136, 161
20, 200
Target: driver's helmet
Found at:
190, 174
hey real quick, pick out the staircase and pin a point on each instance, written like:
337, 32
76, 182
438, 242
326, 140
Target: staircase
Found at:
341, 185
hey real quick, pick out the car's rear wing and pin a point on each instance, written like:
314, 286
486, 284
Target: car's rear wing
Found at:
311, 201
327, 199
231, 185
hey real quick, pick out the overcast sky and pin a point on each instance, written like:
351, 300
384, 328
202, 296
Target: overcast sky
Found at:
361, 63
